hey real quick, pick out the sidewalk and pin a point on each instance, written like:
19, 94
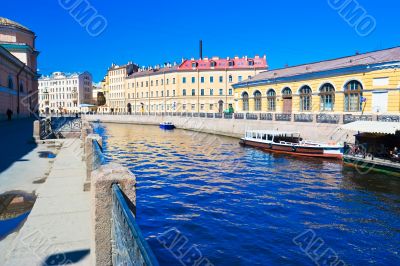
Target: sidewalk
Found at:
58, 229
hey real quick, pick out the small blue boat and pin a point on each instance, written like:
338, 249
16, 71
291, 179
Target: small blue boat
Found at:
167, 125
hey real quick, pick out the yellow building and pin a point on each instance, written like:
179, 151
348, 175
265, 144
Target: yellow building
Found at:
203, 85
116, 75
368, 83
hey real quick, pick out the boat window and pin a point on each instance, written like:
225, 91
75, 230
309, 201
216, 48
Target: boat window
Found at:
259, 136
254, 135
270, 137
264, 137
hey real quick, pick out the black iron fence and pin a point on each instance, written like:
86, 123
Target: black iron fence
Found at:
129, 246
284, 117
268, 117
303, 117
328, 118
348, 118
389, 118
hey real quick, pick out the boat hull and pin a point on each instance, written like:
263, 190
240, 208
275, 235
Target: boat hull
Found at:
321, 152
366, 166
167, 127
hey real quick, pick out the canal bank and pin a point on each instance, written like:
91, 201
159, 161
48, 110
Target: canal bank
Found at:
323, 132
242, 206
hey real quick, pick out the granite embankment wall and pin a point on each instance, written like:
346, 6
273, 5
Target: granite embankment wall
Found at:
234, 127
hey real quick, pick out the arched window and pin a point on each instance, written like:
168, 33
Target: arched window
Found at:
305, 98
286, 93
10, 83
257, 101
245, 99
327, 97
213, 64
271, 98
352, 96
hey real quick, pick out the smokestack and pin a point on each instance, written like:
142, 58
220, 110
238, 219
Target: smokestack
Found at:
201, 49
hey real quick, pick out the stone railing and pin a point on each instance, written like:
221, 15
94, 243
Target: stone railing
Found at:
117, 239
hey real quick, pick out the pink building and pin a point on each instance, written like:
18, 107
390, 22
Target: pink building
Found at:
18, 69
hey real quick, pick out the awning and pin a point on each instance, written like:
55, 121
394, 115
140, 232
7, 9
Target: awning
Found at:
86, 105
373, 127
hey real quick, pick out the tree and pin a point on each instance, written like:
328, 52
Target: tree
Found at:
101, 99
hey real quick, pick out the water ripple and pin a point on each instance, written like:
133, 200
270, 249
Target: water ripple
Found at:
241, 206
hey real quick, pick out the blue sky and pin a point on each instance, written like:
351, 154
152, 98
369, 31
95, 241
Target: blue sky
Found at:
153, 32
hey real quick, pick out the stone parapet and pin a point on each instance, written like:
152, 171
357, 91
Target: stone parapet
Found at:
102, 180
93, 156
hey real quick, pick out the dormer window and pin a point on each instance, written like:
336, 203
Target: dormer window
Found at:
251, 63
194, 64
231, 63
213, 64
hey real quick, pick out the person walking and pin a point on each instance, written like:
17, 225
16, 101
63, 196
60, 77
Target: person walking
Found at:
9, 114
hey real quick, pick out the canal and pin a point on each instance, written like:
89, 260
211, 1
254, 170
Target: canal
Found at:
241, 206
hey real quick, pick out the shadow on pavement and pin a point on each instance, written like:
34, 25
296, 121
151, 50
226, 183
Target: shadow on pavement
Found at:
71, 257
15, 141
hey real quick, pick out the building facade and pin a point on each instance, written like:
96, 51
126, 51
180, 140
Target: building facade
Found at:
364, 83
203, 85
116, 76
18, 69
65, 93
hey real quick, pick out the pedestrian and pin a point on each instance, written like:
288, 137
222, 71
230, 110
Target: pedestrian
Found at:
9, 114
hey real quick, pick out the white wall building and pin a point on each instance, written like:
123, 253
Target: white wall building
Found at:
64, 93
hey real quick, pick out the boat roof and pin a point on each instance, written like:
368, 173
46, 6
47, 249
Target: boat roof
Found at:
374, 127
273, 132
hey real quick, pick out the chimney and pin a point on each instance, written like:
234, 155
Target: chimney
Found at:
201, 50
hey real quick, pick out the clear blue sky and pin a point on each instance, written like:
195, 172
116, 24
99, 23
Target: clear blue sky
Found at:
153, 32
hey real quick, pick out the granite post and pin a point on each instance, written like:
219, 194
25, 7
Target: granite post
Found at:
101, 203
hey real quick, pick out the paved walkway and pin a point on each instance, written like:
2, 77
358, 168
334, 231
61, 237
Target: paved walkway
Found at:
58, 229
21, 161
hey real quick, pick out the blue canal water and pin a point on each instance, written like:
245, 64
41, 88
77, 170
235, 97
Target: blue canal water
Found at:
241, 206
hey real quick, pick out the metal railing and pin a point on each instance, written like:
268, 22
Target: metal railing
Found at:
389, 118
129, 246
303, 117
348, 118
268, 117
324, 118
328, 119
283, 117
250, 116
98, 156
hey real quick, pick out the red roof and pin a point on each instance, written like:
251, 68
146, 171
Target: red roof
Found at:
226, 63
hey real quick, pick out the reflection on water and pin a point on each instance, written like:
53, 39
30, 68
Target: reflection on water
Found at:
241, 206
